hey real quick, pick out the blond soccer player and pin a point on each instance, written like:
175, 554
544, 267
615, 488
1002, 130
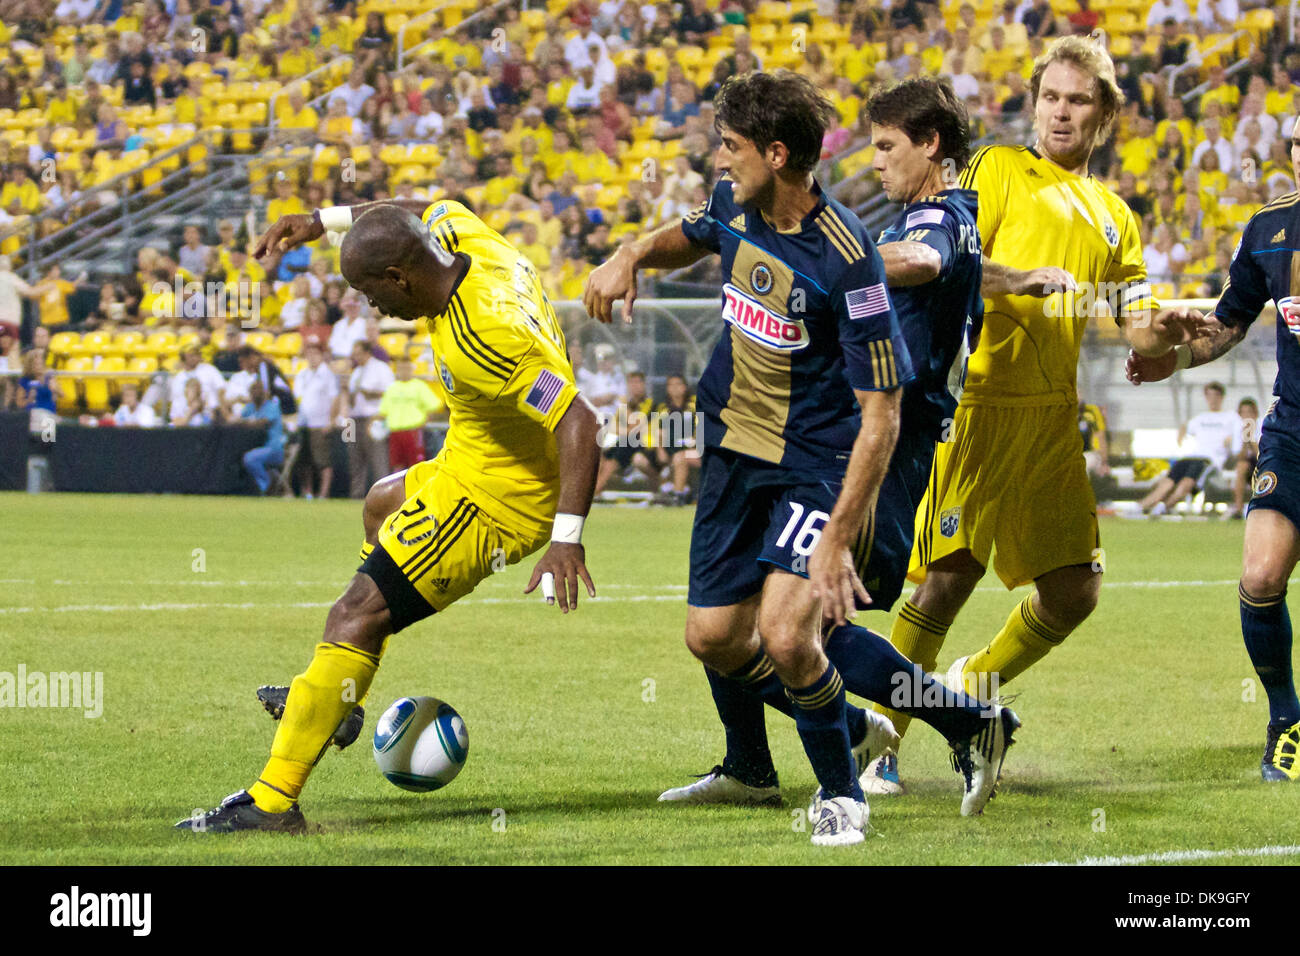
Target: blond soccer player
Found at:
1010, 485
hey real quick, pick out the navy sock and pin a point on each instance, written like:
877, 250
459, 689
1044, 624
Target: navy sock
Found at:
819, 716
1266, 629
873, 668
760, 679
748, 758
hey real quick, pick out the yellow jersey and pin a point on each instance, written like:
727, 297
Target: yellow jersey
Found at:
502, 369
1033, 214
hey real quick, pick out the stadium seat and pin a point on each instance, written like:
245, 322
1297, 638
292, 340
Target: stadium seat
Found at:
67, 391
146, 365
61, 346
261, 340
287, 345
90, 345
124, 344
394, 343
98, 391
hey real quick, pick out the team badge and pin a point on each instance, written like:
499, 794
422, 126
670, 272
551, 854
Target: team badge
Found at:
1112, 234
760, 279
1265, 482
949, 521
444, 373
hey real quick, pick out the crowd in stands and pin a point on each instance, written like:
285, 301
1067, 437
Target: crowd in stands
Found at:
568, 127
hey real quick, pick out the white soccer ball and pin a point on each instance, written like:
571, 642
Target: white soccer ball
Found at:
421, 744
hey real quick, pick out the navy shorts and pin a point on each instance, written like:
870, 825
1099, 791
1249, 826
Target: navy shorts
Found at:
883, 550
752, 516
1277, 476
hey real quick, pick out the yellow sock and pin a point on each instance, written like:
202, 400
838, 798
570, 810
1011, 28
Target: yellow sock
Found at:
337, 678
918, 637
1023, 641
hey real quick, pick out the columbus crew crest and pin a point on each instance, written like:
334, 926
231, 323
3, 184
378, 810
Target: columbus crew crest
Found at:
950, 521
1265, 482
445, 374
1112, 234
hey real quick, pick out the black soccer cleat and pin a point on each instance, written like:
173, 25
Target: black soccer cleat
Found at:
348, 730
238, 812
1280, 763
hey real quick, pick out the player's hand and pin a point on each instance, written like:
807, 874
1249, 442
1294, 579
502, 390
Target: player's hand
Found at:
834, 581
1040, 283
1144, 368
560, 568
1181, 325
288, 232
615, 278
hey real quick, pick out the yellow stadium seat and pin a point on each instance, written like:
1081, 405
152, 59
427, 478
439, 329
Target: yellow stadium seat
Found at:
260, 339
288, 345
182, 342
68, 394
125, 343
98, 391
61, 345
394, 343
421, 369
91, 344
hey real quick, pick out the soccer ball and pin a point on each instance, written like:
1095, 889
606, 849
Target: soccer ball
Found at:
421, 744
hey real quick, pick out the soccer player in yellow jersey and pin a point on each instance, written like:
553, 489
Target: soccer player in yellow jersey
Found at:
516, 472
1010, 484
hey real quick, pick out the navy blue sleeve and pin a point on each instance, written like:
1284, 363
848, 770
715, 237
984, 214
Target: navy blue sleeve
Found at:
875, 354
700, 225
935, 227
1246, 291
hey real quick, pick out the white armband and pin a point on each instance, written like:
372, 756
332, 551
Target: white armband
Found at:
567, 529
1182, 357
336, 220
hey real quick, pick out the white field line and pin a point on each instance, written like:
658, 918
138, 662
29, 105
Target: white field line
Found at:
1176, 856
667, 592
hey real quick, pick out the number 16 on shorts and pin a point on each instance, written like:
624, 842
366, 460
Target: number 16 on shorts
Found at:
797, 539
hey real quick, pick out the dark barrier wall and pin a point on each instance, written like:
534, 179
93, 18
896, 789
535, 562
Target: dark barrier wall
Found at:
195, 461
13, 451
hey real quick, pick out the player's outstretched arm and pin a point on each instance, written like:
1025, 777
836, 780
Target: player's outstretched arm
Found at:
289, 232
909, 263
830, 569
564, 562
999, 279
1220, 340
1155, 333
615, 278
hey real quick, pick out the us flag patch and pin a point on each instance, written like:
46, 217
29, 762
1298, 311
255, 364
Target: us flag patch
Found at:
869, 301
544, 391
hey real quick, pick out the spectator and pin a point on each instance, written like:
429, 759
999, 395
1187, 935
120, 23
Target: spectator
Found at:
1164, 11
1213, 142
627, 436
1214, 435
349, 329
367, 454
53, 291
131, 413
1247, 458
675, 445
406, 407
191, 409
354, 92
605, 386
10, 361
12, 291
260, 461
36, 386
316, 388
193, 367
193, 254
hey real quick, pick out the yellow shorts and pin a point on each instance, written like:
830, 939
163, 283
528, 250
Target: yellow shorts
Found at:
1011, 483
439, 545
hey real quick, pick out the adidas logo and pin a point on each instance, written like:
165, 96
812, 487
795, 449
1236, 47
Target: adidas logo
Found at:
1280, 237
1034, 173
440, 584
738, 223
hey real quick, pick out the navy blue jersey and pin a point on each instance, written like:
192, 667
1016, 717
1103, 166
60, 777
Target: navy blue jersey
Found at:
808, 319
1266, 266
940, 319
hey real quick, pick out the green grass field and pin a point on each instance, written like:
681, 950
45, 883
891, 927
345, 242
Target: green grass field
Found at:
577, 723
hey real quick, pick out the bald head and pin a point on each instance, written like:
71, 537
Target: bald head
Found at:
389, 257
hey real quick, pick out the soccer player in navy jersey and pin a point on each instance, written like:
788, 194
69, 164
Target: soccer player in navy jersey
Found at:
800, 404
1264, 269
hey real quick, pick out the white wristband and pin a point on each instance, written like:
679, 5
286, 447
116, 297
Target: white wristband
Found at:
335, 218
567, 529
1182, 357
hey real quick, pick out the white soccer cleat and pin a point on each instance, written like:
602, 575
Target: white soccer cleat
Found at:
839, 821
880, 779
979, 758
716, 787
881, 738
